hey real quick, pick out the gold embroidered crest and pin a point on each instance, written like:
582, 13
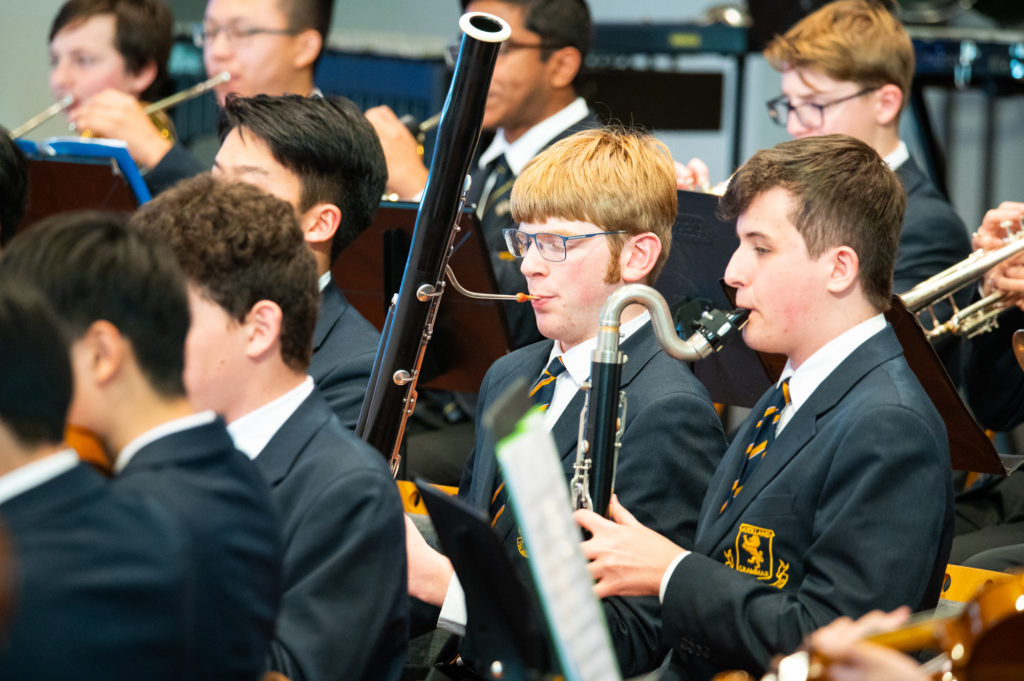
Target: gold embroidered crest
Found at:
754, 551
521, 545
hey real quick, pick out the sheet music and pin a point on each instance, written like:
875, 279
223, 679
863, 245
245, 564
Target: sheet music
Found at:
540, 498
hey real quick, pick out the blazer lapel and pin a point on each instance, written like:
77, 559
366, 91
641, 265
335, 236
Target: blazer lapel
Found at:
332, 305
791, 441
277, 458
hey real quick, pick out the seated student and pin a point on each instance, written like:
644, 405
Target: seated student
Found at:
13, 187
122, 301
108, 55
846, 69
268, 46
800, 522
101, 591
595, 212
321, 156
252, 292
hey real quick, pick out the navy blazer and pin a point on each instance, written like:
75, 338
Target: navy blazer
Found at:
933, 238
344, 345
850, 510
521, 320
671, 444
225, 505
344, 614
102, 585
177, 164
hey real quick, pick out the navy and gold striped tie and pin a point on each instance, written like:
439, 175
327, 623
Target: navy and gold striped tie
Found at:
764, 435
542, 392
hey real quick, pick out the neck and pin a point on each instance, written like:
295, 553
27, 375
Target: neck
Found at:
140, 415
271, 384
14, 455
885, 141
844, 318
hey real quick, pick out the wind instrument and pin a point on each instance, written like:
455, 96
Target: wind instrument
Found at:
43, 116
597, 451
973, 319
391, 392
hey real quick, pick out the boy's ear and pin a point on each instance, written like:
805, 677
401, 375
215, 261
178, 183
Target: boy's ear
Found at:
639, 256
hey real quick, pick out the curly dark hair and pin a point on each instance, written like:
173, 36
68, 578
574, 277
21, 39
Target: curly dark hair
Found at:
239, 245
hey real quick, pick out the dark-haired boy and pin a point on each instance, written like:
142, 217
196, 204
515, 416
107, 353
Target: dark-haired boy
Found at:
321, 156
252, 292
122, 302
797, 527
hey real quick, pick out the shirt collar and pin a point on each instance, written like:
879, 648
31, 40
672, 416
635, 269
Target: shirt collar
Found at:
519, 153
252, 432
898, 157
34, 474
813, 372
163, 430
578, 358
325, 279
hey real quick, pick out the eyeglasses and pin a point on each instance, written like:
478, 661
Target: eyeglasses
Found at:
552, 247
203, 35
451, 52
809, 114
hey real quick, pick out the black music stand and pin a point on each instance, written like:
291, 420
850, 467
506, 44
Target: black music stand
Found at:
701, 247
502, 618
66, 174
469, 335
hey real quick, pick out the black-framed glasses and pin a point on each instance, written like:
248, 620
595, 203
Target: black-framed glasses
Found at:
206, 34
809, 114
451, 52
552, 247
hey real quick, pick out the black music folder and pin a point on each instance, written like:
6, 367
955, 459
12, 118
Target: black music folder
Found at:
701, 248
469, 335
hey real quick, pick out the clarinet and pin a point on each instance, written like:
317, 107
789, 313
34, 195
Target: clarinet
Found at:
391, 392
603, 418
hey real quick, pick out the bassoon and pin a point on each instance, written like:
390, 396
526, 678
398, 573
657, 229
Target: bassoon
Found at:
391, 392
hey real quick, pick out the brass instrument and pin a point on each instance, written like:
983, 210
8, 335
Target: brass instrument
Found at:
973, 319
391, 392
597, 451
157, 110
43, 116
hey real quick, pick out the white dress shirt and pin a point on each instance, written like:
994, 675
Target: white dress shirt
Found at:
252, 432
34, 474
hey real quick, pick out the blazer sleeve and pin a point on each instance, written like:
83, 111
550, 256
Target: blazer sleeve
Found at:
344, 614
992, 380
669, 451
881, 487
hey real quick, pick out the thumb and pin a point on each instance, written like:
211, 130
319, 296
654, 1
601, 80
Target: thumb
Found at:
619, 513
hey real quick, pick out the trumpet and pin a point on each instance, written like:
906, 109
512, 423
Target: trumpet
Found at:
973, 319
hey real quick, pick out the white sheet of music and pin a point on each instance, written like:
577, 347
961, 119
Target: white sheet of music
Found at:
540, 498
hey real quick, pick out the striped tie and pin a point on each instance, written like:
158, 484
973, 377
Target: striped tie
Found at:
764, 435
541, 392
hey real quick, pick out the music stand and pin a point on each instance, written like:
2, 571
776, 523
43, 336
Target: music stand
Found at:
502, 623
66, 174
701, 247
469, 335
